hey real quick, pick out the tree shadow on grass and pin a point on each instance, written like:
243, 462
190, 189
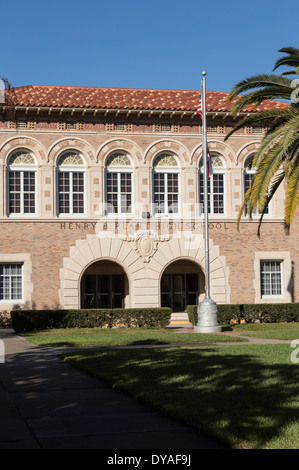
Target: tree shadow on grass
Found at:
241, 397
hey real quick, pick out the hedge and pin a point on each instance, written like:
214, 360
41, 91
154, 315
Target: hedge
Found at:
263, 313
29, 320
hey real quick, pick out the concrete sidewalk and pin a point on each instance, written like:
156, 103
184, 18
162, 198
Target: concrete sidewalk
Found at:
47, 404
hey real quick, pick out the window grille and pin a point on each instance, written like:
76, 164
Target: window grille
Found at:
166, 184
71, 125
166, 127
257, 130
71, 184
120, 126
271, 278
212, 129
119, 184
22, 124
21, 183
249, 173
216, 187
11, 282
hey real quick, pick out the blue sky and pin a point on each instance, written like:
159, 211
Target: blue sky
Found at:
143, 44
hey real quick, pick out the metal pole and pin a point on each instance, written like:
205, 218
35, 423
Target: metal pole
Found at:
207, 309
204, 156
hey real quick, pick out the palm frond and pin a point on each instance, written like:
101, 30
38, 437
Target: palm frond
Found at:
257, 97
245, 205
272, 190
271, 163
291, 59
264, 176
271, 115
259, 81
292, 196
277, 158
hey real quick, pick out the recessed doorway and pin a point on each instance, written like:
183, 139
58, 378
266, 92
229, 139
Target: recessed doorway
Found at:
181, 284
104, 284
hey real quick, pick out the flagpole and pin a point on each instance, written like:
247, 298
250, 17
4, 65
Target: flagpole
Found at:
205, 162
207, 309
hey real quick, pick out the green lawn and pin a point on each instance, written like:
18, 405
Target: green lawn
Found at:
246, 395
282, 331
84, 337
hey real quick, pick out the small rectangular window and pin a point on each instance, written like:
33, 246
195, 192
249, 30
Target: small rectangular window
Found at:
212, 129
120, 126
257, 130
11, 282
69, 125
271, 278
22, 124
166, 127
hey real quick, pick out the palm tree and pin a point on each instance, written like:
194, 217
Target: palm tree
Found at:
277, 159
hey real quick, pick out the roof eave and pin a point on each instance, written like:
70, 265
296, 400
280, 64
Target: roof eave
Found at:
120, 111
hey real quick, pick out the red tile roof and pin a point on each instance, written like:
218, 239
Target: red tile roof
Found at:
126, 98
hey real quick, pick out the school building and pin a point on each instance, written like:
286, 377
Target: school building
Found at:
101, 203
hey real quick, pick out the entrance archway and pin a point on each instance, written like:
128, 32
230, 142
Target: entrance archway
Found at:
181, 284
104, 284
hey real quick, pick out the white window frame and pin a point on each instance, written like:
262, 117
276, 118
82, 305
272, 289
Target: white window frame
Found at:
21, 168
27, 286
166, 170
10, 299
219, 171
71, 169
271, 296
118, 170
252, 171
284, 258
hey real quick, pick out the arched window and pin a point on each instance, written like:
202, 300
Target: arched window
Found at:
216, 186
71, 183
249, 172
22, 183
166, 184
119, 184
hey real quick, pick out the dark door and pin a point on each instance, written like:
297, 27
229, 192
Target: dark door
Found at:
179, 290
192, 289
117, 291
103, 291
166, 296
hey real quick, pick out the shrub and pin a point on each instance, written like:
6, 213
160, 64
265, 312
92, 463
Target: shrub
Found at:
263, 313
225, 313
29, 320
5, 319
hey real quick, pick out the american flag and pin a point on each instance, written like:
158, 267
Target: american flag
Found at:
209, 160
209, 164
199, 109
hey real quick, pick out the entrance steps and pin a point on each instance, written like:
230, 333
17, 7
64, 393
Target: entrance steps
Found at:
179, 318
